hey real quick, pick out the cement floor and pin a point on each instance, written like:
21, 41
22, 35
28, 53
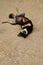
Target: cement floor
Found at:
16, 50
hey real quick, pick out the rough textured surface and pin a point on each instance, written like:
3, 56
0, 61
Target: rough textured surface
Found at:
16, 50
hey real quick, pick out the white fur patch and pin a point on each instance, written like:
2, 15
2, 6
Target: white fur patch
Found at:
25, 30
26, 25
12, 20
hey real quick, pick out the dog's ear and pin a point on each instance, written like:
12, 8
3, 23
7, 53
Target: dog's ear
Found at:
22, 34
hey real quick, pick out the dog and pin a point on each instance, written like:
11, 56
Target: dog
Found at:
25, 23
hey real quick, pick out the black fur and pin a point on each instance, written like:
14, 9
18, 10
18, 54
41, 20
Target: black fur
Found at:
11, 15
28, 28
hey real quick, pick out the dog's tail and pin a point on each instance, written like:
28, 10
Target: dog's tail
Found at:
17, 10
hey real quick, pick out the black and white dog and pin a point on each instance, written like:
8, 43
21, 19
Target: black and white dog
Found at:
24, 22
27, 28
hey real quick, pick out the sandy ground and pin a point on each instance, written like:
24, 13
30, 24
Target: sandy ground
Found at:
16, 50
